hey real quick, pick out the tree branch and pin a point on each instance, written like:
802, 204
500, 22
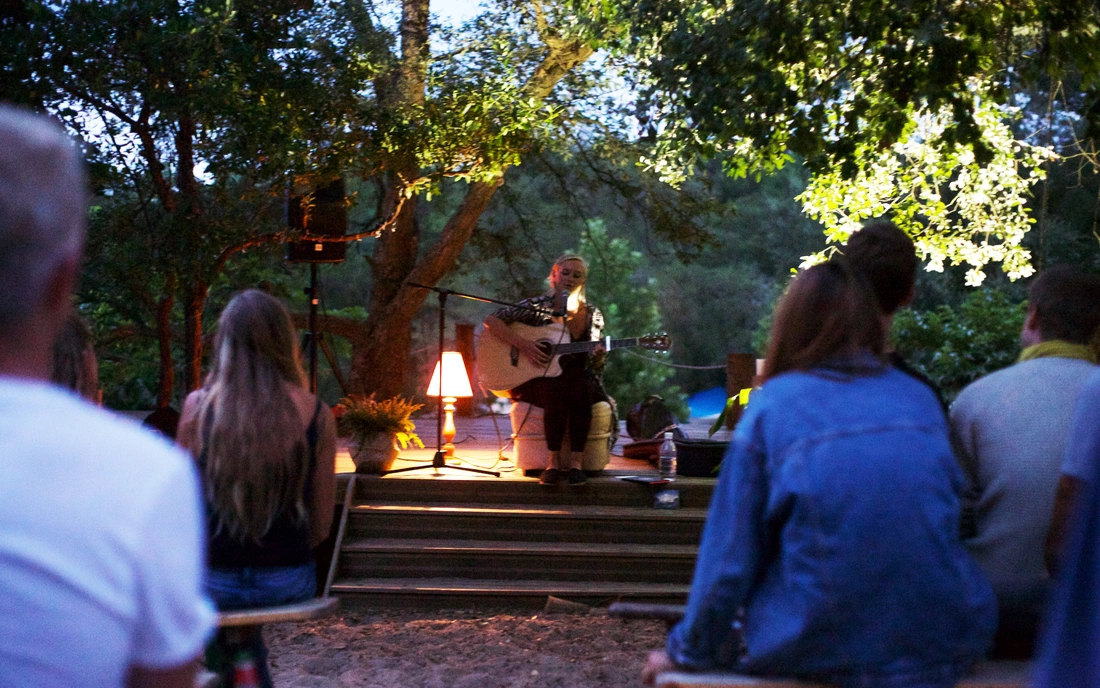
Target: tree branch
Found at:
562, 57
279, 237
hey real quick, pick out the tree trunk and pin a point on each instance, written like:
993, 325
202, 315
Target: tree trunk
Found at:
192, 335
382, 364
166, 386
395, 250
380, 360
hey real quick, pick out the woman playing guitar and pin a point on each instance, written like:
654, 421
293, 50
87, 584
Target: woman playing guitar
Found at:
566, 399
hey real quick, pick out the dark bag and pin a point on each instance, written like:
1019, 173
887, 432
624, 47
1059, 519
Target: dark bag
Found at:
650, 418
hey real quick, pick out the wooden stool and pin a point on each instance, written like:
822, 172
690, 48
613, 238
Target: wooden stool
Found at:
986, 675
300, 611
530, 437
246, 622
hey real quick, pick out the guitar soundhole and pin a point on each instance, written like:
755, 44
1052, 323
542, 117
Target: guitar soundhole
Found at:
546, 347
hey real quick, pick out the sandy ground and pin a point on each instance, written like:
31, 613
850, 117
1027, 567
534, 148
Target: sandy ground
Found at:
462, 649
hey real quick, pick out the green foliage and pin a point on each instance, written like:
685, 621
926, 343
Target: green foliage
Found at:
194, 117
765, 78
128, 361
956, 208
1069, 230
955, 346
364, 417
895, 107
717, 247
628, 298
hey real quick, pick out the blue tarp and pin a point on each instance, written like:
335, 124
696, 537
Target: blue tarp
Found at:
707, 403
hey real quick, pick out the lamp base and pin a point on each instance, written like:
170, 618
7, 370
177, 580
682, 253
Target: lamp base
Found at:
449, 430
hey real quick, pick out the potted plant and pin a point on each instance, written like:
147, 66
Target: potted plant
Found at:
377, 430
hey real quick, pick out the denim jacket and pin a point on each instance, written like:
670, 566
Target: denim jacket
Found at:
834, 527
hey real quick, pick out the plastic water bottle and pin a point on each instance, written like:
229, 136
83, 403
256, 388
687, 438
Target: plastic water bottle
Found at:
666, 463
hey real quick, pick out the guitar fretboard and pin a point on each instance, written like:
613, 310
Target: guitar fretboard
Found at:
577, 347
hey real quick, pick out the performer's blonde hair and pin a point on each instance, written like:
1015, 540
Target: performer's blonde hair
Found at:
257, 457
565, 258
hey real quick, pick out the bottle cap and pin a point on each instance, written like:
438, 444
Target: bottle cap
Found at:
668, 435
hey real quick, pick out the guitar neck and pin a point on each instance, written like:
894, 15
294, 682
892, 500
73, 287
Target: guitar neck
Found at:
578, 347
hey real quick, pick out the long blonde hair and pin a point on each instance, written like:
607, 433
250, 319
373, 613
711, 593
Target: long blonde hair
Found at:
247, 423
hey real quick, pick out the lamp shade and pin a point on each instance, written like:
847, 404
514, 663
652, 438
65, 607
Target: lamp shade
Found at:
455, 381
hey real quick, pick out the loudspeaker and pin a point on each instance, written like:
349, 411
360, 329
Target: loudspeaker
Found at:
327, 218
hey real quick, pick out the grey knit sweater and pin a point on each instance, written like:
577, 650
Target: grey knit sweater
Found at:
1009, 429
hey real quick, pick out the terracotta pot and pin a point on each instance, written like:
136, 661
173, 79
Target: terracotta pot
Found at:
374, 454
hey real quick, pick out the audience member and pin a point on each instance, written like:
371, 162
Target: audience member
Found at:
1010, 430
74, 363
165, 420
266, 449
834, 524
886, 257
101, 554
1069, 649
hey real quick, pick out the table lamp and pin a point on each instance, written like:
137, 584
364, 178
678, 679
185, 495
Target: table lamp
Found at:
450, 383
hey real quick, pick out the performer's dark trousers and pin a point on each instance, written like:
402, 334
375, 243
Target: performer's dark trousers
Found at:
566, 400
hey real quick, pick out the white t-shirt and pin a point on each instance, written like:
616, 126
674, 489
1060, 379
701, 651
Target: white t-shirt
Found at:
102, 549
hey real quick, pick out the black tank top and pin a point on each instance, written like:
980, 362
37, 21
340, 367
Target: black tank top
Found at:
286, 543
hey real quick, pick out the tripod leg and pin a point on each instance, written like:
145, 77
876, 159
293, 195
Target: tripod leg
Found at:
446, 465
473, 470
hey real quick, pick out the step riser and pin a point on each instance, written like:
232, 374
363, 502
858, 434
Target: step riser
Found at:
618, 560
510, 567
694, 493
525, 529
358, 600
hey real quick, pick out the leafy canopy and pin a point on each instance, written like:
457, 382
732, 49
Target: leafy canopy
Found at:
821, 79
955, 208
893, 106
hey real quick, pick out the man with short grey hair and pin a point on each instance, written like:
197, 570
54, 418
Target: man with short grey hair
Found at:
101, 537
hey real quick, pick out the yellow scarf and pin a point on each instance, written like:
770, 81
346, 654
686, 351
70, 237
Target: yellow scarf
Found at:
1058, 348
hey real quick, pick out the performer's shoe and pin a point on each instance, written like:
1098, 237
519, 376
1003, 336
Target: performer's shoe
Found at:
551, 476
577, 477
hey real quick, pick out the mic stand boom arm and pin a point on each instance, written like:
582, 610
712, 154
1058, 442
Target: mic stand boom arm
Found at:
485, 299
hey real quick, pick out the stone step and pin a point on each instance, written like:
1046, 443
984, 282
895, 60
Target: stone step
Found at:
530, 523
551, 561
528, 594
604, 490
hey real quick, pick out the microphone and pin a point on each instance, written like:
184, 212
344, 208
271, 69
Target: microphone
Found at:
561, 304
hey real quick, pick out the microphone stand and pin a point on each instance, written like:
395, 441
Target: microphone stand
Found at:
439, 460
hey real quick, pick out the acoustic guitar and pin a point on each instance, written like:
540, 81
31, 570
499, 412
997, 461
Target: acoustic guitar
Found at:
502, 367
